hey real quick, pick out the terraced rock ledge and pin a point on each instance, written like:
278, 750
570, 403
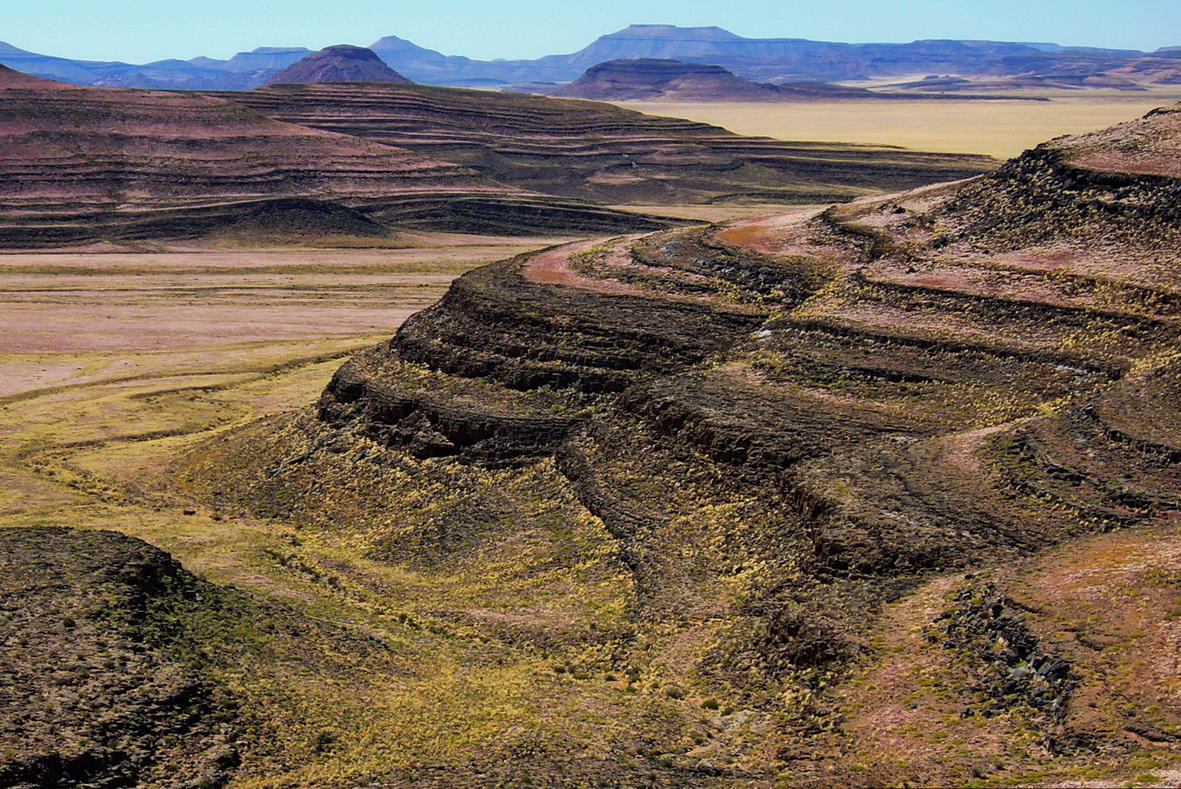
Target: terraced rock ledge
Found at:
803, 474
593, 151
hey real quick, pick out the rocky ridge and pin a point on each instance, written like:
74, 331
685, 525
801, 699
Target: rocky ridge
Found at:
91, 164
784, 424
94, 690
762, 59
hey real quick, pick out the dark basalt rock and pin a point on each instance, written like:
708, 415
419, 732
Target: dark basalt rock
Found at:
494, 323
92, 692
598, 152
1014, 668
847, 401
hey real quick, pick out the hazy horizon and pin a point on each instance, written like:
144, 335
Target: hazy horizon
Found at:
141, 31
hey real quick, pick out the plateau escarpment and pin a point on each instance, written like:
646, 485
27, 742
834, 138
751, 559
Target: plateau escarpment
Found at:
578, 149
773, 429
89, 164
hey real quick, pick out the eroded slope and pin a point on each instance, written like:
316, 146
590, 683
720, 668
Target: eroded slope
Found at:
94, 691
771, 429
84, 164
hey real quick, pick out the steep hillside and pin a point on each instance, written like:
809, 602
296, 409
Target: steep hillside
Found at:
651, 79
120, 668
341, 63
598, 152
814, 461
84, 164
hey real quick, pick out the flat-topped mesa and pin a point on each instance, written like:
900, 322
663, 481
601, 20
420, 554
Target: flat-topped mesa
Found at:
81, 163
340, 63
594, 151
652, 79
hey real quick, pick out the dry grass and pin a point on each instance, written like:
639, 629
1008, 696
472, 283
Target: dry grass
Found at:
79, 318
87, 425
997, 128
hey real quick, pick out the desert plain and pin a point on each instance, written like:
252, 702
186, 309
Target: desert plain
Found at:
997, 128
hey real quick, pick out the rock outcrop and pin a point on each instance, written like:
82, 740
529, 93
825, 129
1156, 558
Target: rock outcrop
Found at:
340, 63
94, 689
784, 423
797, 351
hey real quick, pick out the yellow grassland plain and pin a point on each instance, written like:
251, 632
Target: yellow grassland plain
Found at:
1000, 128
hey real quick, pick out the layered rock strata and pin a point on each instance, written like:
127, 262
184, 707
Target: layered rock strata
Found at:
577, 149
783, 423
90, 164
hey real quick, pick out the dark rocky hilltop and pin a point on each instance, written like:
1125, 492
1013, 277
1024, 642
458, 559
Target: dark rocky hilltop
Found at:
119, 668
97, 690
340, 63
802, 475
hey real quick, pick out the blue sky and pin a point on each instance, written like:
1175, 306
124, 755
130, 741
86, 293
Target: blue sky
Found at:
143, 30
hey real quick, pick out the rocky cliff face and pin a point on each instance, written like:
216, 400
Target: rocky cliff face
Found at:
341, 63
782, 424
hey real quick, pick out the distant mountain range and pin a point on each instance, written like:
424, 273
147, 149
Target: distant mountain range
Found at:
764, 60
